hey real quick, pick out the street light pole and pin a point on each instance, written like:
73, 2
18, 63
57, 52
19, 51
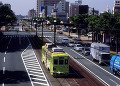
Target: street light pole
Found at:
55, 32
42, 31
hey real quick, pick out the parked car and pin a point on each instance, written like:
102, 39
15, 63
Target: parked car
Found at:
65, 40
87, 45
71, 44
78, 47
86, 51
77, 39
59, 32
89, 34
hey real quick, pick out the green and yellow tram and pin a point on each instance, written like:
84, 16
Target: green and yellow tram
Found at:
55, 59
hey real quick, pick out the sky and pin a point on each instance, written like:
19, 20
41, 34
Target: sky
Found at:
23, 6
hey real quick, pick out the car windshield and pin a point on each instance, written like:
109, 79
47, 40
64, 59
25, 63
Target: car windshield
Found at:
79, 45
106, 56
65, 39
72, 42
87, 49
78, 39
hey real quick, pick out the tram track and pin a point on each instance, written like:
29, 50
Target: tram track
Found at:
78, 76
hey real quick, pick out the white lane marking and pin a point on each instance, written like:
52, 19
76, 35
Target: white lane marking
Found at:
41, 74
3, 84
96, 65
35, 72
4, 59
40, 83
39, 79
114, 82
5, 52
33, 67
3, 70
26, 68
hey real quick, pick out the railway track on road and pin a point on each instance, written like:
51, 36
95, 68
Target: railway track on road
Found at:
78, 76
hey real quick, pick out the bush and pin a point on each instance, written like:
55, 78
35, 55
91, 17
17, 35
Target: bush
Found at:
69, 36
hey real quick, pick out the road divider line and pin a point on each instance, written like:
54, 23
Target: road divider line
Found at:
5, 53
4, 59
3, 70
114, 82
3, 84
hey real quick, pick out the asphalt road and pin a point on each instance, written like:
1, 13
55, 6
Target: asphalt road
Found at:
12, 70
102, 72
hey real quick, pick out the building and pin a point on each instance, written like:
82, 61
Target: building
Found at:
67, 8
116, 8
76, 9
32, 13
48, 3
92, 11
1, 3
83, 9
59, 12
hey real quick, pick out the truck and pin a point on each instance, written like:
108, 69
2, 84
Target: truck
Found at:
115, 64
100, 52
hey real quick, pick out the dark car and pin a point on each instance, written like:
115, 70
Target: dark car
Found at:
77, 39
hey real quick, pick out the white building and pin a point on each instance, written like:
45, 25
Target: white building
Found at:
116, 8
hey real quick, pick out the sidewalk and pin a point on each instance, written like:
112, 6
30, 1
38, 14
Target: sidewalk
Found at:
82, 37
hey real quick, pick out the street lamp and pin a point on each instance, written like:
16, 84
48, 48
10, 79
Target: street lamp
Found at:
42, 30
55, 32
35, 23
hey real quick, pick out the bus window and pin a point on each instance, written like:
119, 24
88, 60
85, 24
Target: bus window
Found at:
66, 61
61, 61
55, 61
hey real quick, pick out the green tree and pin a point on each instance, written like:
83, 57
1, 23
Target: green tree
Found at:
6, 15
79, 21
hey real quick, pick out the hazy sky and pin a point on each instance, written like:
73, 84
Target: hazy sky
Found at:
22, 6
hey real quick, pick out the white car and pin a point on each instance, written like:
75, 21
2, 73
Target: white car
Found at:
89, 34
71, 44
78, 47
65, 40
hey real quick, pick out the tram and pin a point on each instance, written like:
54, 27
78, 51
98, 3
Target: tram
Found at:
55, 60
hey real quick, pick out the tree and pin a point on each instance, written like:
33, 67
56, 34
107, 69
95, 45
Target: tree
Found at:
6, 15
93, 24
79, 21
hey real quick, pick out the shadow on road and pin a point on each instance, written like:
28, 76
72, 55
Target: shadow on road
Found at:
13, 77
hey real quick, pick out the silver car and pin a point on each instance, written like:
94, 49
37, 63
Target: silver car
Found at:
78, 47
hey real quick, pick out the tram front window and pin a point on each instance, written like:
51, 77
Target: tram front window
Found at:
61, 61
55, 62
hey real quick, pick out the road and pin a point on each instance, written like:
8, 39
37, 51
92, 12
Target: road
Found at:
19, 65
102, 72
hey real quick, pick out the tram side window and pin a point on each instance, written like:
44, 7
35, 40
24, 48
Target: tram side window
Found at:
55, 61
61, 61
66, 61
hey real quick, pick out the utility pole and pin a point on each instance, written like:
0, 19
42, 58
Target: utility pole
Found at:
92, 26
